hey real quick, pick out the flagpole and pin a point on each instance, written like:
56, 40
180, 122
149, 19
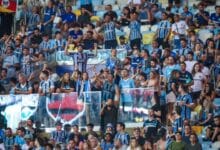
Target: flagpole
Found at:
15, 15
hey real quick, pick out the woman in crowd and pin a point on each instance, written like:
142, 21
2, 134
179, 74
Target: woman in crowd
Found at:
66, 85
210, 51
199, 81
134, 144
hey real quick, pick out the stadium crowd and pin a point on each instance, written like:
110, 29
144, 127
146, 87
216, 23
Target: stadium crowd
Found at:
182, 70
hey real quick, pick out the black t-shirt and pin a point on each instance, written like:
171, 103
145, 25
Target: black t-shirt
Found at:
89, 44
185, 77
110, 115
152, 127
66, 85
113, 14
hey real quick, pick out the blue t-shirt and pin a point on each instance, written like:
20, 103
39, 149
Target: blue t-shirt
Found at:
200, 20
68, 17
48, 13
75, 34
215, 18
125, 95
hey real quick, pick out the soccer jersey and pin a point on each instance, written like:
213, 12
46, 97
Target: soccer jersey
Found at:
185, 111
109, 31
135, 30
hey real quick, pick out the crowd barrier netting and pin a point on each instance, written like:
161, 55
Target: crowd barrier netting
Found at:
70, 108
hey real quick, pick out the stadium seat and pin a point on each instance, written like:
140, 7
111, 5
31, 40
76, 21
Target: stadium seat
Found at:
145, 28
126, 30
153, 28
97, 2
109, 2
100, 14
204, 34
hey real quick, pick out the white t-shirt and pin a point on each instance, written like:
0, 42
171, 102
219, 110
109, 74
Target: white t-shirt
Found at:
189, 65
180, 27
134, 1
198, 78
206, 71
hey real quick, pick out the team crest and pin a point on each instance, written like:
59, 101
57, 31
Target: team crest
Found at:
65, 107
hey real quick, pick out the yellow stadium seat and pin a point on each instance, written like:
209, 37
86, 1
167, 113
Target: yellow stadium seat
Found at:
147, 38
95, 18
77, 12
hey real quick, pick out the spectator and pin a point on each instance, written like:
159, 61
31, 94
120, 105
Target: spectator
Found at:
89, 42
68, 16
202, 17
118, 145
137, 135
11, 62
76, 133
185, 77
126, 82
179, 29
19, 138
58, 136
30, 130
94, 144
9, 140
216, 128
187, 16
186, 134
178, 144
194, 143
121, 134
135, 31
134, 144
49, 15
39, 143
184, 100
66, 85
84, 18
34, 19
110, 12
26, 62
107, 143
109, 114
109, 32
161, 143
163, 31
190, 62
90, 130
23, 87
151, 125
125, 17
214, 17
28, 142
112, 61
80, 59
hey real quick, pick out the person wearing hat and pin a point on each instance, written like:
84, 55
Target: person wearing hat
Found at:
58, 136
29, 144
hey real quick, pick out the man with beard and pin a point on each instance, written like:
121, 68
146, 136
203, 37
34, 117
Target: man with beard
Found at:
109, 114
